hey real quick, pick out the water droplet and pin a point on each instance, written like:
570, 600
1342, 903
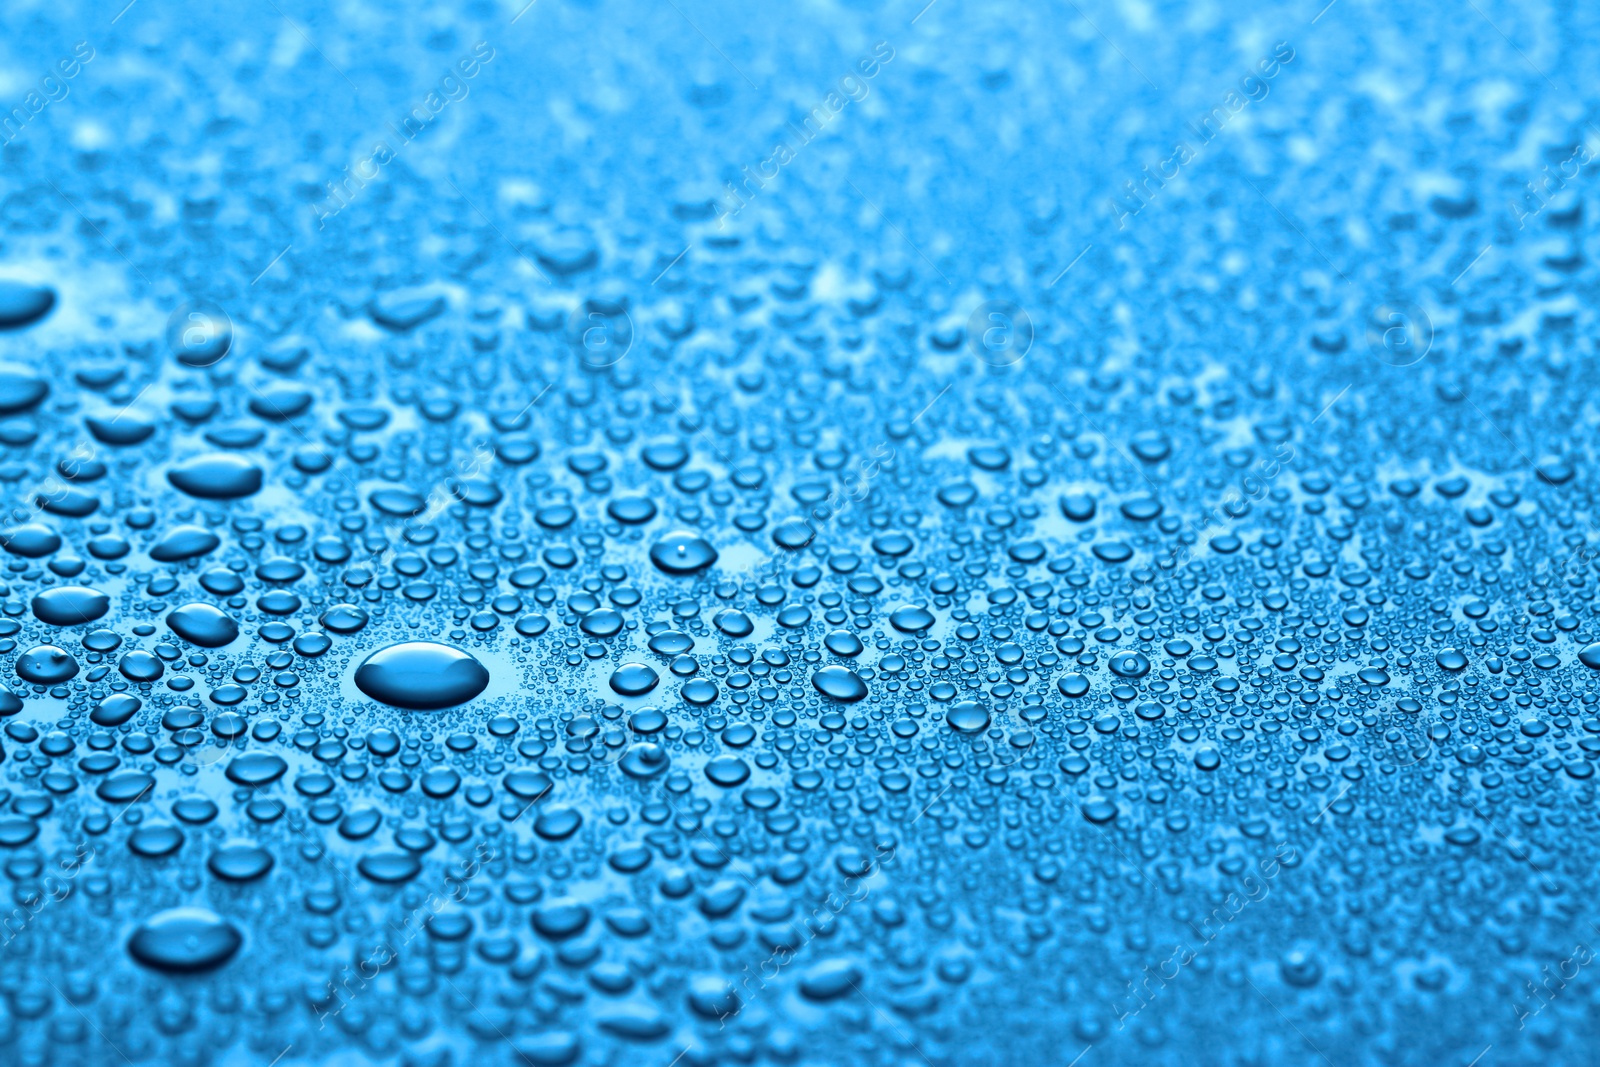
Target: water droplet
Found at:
634, 679
560, 920
644, 760
218, 476
830, 979
240, 863
31, 540
671, 643
728, 771
1073, 685
403, 310
682, 553
839, 683
631, 510
1099, 812
185, 941
1129, 665
22, 304
1112, 551
184, 542
421, 676
125, 787
968, 717
911, 619
401, 503
70, 605
46, 665
256, 768
389, 868
203, 625
344, 619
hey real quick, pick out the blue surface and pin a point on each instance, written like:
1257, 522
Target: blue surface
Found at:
658, 534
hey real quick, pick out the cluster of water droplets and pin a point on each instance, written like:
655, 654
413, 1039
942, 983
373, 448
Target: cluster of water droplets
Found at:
460, 645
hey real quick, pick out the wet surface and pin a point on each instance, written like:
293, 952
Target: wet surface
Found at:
610, 534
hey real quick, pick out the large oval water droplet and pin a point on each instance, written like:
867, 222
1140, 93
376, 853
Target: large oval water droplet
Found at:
401, 503
682, 552
403, 310
240, 863
256, 768
634, 679
839, 683
22, 304
203, 625
218, 476
46, 665
644, 760
185, 941
389, 868
728, 771
31, 540
911, 619
421, 676
968, 717
830, 979
115, 709
184, 542
70, 605
1130, 665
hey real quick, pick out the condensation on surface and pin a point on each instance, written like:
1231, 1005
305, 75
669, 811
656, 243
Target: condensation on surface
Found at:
605, 533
